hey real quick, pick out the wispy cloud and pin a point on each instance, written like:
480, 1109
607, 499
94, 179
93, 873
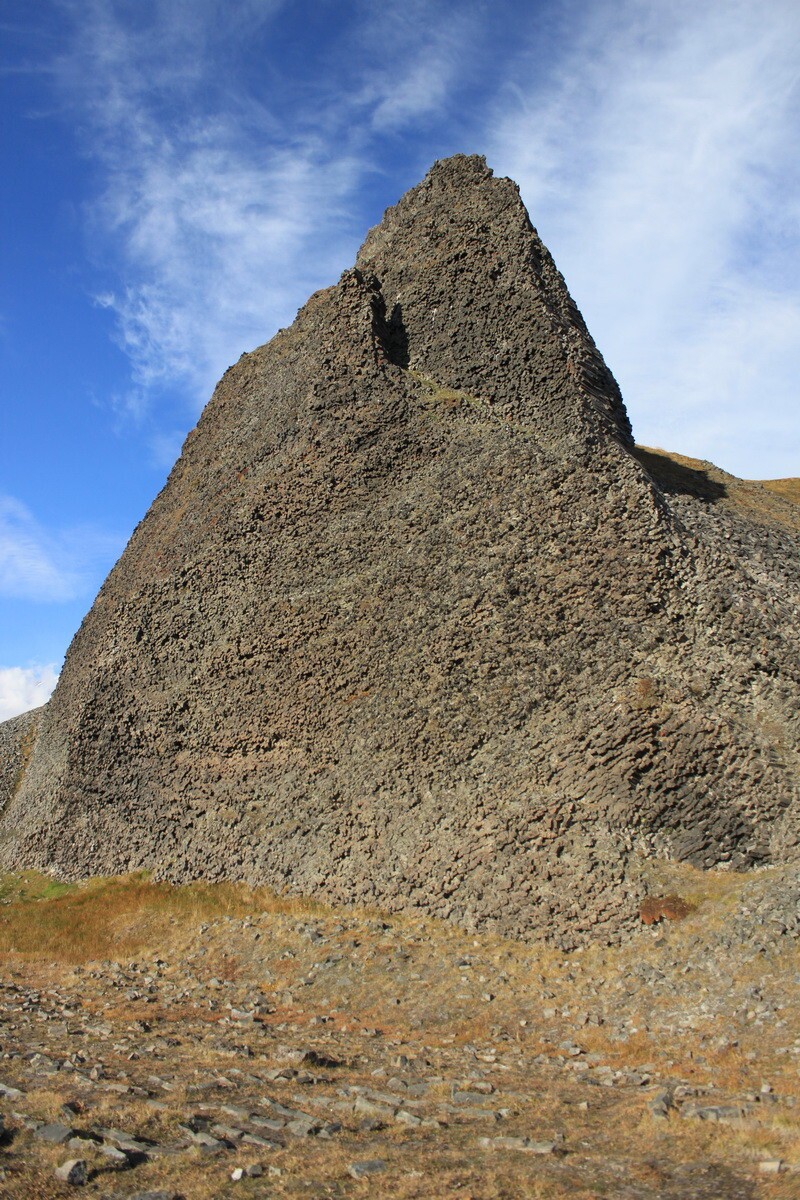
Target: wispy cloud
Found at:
218, 250
224, 205
654, 143
24, 688
49, 566
219, 217
658, 157
432, 46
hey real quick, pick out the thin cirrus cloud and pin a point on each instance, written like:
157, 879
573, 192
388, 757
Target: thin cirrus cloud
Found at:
654, 145
222, 209
24, 688
213, 244
659, 160
434, 50
218, 215
49, 566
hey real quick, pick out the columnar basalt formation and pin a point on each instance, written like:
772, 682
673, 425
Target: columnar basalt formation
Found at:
412, 624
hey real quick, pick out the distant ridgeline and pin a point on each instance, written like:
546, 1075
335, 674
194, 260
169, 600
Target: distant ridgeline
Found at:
414, 624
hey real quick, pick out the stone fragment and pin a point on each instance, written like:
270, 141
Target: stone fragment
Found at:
117, 1156
517, 1143
83, 1142
268, 1139
406, 1118
74, 1171
227, 1133
725, 1114
475, 1097
55, 1132
660, 1104
370, 1166
317, 1058
255, 1171
303, 1127
370, 1109
207, 1141
124, 1141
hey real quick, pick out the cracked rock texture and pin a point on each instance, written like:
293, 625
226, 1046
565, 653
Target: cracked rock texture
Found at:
17, 738
413, 623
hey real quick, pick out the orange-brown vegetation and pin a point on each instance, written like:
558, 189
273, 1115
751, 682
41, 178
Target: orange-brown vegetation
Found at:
663, 908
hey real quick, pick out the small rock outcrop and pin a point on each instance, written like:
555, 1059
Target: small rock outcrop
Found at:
412, 624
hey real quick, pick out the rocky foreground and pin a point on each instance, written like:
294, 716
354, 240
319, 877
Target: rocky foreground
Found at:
211, 1042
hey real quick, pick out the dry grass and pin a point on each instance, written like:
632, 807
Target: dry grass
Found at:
789, 489
26, 744
41, 918
772, 502
611, 1144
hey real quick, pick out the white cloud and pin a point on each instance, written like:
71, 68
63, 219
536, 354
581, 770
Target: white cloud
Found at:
219, 250
421, 91
23, 688
654, 144
28, 566
224, 214
221, 217
656, 158
37, 564
430, 49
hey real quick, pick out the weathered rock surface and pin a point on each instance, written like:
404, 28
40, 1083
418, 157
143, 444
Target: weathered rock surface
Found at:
17, 738
411, 622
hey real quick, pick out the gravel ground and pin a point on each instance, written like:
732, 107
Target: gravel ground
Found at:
329, 1052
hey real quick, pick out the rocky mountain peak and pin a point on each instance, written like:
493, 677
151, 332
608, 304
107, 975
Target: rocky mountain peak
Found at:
472, 292
412, 624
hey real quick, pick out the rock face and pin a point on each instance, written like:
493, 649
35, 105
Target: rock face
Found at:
17, 739
411, 623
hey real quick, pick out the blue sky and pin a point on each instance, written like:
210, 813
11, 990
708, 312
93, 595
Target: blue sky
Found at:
178, 175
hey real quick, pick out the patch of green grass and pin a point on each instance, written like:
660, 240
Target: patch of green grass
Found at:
31, 885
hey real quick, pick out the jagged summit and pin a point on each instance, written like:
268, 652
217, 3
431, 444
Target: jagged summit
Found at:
411, 624
482, 285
